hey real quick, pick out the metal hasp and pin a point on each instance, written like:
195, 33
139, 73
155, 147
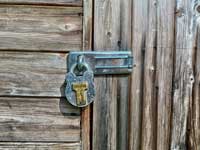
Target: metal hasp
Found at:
101, 62
82, 66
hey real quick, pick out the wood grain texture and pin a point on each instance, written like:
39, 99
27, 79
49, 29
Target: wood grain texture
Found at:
32, 74
164, 71
105, 114
39, 146
106, 37
40, 28
38, 119
183, 77
86, 115
139, 22
149, 106
86, 128
44, 2
87, 24
123, 81
194, 119
112, 21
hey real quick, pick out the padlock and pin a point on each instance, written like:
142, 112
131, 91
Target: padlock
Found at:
80, 90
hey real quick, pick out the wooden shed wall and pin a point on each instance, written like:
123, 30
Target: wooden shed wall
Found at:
35, 38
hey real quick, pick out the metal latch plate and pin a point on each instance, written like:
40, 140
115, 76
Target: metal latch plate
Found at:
104, 62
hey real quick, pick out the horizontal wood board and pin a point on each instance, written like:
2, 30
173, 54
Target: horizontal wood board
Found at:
44, 2
32, 74
40, 146
40, 28
38, 119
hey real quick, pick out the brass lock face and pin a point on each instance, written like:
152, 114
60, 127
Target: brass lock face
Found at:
81, 94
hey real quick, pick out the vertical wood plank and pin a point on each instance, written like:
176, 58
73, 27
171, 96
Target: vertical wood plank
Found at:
87, 24
106, 36
194, 121
139, 22
104, 115
86, 128
149, 97
110, 27
183, 77
87, 45
164, 71
123, 81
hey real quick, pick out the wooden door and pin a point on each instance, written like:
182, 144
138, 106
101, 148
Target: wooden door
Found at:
162, 107
159, 107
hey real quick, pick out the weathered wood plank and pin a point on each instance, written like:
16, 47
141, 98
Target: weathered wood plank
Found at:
123, 81
106, 36
164, 71
86, 116
123, 112
149, 91
110, 127
40, 28
40, 146
139, 22
44, 2
105, 115
86, 128
183, 77
194, 122
32, 74
87, 24
38, 119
